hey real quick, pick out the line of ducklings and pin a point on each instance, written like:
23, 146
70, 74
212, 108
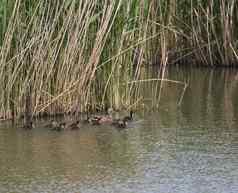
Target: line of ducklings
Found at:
60, 126
120, 123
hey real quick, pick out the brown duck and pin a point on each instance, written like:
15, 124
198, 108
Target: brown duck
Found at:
29, 126
129, 118
102, 119
74, 126
55, 126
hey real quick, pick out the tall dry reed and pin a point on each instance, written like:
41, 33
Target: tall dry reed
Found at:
82, 55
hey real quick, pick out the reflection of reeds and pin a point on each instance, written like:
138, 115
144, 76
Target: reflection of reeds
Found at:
76, 54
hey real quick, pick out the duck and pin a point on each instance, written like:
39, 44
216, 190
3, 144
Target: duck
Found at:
129, 118
87, 120
55, 126
51, 124
61, 127
120, 123
95, 120
74, 126
29, 126
123, 122
99, 120
102, 119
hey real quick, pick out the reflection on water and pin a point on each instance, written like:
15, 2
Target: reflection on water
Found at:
191, 148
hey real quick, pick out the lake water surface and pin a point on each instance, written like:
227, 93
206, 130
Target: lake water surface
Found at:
188, 149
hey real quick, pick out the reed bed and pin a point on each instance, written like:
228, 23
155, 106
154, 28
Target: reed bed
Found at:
74, 56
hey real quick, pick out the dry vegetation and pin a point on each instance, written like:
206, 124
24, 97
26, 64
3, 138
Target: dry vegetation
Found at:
74, 55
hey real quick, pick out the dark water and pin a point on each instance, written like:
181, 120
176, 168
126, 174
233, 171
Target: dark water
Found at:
188, 149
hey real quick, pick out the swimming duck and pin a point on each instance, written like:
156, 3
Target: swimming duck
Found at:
51, 124
74, 126
29, 126
129, 118
61, 126
120, 123
88, 119
95, 120
98, 120
123, 123
55, 126
102, 119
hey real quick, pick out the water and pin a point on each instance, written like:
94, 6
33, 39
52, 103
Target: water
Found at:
188, 149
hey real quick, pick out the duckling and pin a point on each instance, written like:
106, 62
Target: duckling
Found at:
98, 120
105, 119
29, 126
55, 126
61, 126
51, 124
120, 124
88, 119
95, 120
74, 126
129, 118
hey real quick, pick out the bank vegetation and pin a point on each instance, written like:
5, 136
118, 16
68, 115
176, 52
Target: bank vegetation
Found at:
70, 56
